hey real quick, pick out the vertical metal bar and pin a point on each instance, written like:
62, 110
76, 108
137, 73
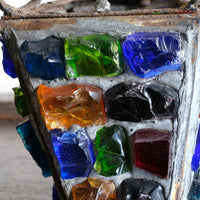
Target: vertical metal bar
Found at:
42, 133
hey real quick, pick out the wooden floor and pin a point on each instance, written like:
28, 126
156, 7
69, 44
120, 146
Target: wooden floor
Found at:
20, 177
8, 111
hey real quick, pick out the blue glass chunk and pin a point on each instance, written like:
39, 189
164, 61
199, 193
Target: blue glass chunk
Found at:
8, 65
74, 152
45, 58
149, 54
194, 193
32, 144
196, 156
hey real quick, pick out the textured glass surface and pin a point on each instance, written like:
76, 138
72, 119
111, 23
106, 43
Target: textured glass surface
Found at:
8, 65
151, 150
20, 102
74, 152
136, 103
149, 54
194, 193
93, 55
140, 189
196, 156
112, 147
32, 144
45, 58
63, 106
94, 189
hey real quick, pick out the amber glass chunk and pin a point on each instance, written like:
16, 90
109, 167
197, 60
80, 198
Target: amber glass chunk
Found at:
152, 149
71, 104
94, 189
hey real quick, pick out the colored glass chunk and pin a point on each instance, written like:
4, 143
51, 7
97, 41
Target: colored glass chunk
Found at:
149, 54
32, 144
55, 195
64, 106
45, 58
74, 152
8, 64
20, 102
140, 189
196, 156
194, 193
93, 55
151, 151
112, 147
94, 189
135, 103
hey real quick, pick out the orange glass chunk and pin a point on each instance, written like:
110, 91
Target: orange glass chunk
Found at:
71, 104
94, 189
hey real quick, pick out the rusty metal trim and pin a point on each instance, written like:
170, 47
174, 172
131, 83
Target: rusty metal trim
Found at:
96, 14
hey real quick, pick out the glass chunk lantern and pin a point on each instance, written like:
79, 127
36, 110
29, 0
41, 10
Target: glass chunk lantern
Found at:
113, 83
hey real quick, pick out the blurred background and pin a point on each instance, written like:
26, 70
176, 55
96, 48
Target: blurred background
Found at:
20, 177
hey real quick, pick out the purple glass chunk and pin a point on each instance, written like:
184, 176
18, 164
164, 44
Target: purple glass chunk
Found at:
132, 102
74, 152
196, 156
149, 54
8, 65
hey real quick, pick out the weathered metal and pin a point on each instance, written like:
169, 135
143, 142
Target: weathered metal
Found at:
59, 9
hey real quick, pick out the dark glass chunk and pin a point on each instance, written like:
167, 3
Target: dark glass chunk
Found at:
140, 189
135, 103
74, 152
32, 144
55, 195
163, 100
20, 102
45, 58
149, 54
151, 151
112, 147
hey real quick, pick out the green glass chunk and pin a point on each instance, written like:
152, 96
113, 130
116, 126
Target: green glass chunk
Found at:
113, 157
20, 102
93, 55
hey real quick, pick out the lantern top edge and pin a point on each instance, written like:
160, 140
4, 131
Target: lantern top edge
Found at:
34, 10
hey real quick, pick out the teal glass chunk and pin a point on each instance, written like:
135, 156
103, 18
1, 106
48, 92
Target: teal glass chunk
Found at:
113, 157
93, 55
194, 193
32, 144
20, 102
